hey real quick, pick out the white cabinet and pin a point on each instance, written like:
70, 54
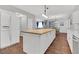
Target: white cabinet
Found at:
31, 43
9, 28
5, 38
4, 28
46, 40
37, 44
5, 19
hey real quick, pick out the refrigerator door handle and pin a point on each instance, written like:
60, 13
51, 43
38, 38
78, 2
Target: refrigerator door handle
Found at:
5, 26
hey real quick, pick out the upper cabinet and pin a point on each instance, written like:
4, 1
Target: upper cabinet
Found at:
75, 17
5, 19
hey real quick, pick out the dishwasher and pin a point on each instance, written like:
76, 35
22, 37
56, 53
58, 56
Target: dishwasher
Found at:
75, 45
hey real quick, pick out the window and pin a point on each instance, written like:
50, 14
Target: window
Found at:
40, 24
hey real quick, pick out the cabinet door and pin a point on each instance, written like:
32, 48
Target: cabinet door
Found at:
5, 19
15, 29
5, 38
31, 43
44, 42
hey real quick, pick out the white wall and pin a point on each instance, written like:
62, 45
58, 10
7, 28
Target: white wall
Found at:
26, 22
23, 23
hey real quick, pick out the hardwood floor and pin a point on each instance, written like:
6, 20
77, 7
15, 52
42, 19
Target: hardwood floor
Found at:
14, 49
58, 46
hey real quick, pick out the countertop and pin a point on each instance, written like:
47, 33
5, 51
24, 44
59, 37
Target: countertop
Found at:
38, 31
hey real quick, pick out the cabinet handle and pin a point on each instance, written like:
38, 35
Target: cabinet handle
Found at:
6, 26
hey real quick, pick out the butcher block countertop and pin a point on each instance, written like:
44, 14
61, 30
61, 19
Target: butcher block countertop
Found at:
37, 31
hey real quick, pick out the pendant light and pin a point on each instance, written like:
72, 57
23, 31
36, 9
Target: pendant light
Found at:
45, 12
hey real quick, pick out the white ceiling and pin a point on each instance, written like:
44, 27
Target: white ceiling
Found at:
14, 9
37, 10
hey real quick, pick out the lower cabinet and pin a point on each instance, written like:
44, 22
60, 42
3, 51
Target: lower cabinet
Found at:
46, 40
10, 36
37, 44
31, 43
5, 39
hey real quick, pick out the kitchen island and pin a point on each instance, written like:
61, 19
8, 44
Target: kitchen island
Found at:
37, 41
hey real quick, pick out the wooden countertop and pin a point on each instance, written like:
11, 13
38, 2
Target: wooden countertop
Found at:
38, 31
